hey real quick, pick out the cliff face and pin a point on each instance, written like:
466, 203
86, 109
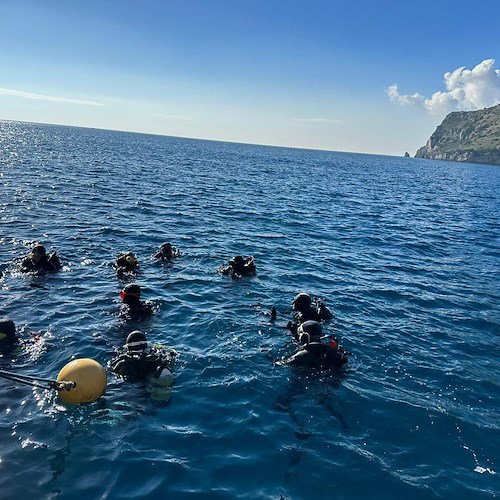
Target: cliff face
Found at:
470, 136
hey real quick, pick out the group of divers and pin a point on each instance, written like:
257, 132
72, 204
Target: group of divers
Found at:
139, 360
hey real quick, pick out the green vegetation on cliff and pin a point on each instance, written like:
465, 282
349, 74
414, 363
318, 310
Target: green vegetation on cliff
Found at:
470, 136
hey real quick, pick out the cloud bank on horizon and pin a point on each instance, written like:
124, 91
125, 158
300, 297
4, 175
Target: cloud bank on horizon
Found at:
466, 90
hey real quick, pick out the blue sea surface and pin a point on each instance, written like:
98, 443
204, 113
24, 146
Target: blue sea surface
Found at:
404, 251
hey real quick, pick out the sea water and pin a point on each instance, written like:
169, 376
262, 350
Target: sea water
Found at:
404, 251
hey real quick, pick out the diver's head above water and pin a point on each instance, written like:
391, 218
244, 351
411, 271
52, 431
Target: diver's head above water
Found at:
166, 249
131, 294
37, 253
127, 260
309, 331
237, 262
136, 341
301, 302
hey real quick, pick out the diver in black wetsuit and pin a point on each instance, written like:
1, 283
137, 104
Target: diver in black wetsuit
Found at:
134, 308
307, 309
38, 261
167, 252
126, 263
138, 361
239, 267
313, 353
317, 355
8, 336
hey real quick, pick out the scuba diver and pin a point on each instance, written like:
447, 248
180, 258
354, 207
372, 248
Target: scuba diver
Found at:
309, 331
12, 344
167, 252
313, 353
38, 261
134, 308
8, 336
239, 267
138, 360
307, 309
126, 263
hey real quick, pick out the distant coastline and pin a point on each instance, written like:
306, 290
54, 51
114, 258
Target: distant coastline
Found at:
466, 136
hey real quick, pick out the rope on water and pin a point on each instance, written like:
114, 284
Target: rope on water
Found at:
42, 383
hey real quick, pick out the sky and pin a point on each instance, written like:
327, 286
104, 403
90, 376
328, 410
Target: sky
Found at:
359, 76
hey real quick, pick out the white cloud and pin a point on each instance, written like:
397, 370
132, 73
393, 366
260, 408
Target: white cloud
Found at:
40, 97
404, 100
466, 90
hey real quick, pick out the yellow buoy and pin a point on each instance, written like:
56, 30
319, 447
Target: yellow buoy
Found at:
89, 377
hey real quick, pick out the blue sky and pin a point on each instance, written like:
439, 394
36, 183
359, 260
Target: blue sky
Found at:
345, 76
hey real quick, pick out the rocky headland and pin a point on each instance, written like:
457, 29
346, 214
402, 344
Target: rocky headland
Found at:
469, 136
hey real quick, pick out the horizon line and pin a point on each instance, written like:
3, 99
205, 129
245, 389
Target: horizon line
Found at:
196, 138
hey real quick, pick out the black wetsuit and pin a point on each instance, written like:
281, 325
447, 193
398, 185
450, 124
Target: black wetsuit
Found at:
139, 365
124, 271
50, 263
8, 336
174, 253
240, 271
136, 311
123, 267
315, 312
318, 355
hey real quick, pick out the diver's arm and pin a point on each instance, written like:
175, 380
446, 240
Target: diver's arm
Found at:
225, 269
54, 262
26, 265
117, 365
323, 311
